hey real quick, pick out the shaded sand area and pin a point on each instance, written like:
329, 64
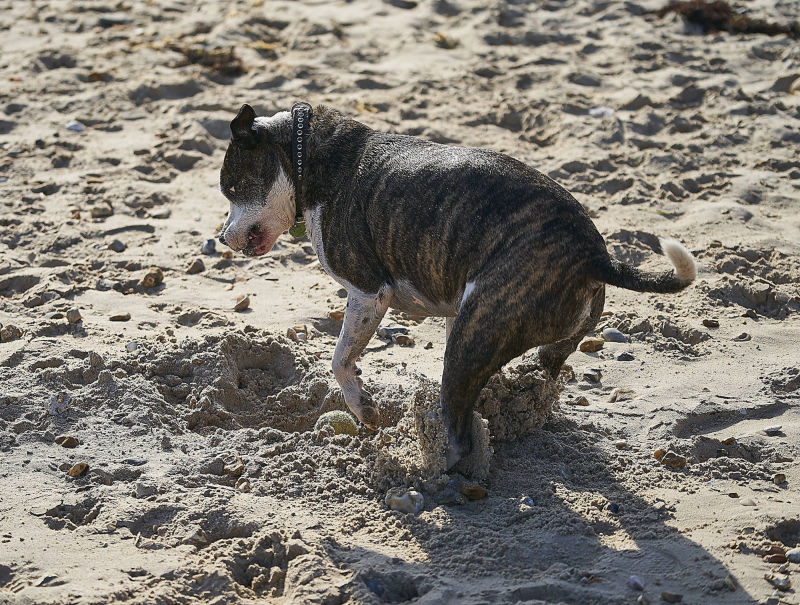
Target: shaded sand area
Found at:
205, 479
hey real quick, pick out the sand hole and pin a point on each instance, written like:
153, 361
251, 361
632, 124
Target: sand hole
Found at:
787, 532
392, 587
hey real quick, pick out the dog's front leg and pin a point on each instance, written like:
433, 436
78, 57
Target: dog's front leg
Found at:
361, 318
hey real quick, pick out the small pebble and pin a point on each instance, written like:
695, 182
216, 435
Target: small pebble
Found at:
75, 126
642, 599
793, 555
242, 303
778, 478
775, 558
66, 441
613, 508
636, 583
74, 315
9, 333
131, 346
386, 332
154, 277
659, 453
620, 444
196, 266
747, 502
78, 469
243, 485
342, 422
121, 316
117, 246
527, 501
144, 490
773, 430
673, 460
711, 323
614, 335
336, 315
621, 395
428, 345
473, 491
743, 337
625, 357
580, 401
592, 345
671, 597
102, 210
410, 501
592, 375
209, 247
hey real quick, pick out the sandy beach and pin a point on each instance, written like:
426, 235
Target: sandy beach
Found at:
159, 446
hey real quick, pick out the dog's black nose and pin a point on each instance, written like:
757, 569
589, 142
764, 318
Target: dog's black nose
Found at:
221, 238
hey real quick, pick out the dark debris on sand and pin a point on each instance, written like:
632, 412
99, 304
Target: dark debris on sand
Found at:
720, 16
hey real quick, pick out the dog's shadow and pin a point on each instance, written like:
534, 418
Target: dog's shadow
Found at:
563, 521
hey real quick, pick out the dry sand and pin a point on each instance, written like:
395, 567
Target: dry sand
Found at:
206, 480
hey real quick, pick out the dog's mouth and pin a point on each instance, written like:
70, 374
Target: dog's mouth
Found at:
257, 242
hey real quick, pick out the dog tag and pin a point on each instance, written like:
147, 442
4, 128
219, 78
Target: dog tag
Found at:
297, 230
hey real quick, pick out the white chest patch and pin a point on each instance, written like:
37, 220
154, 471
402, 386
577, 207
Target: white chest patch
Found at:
313, 220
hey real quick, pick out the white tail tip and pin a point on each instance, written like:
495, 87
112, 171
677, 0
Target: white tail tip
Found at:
681, 258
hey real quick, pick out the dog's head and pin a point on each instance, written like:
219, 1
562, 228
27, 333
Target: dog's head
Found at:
255, 179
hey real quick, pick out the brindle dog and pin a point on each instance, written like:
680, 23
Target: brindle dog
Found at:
508, 256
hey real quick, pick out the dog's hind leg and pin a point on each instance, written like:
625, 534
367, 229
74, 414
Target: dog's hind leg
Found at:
552, 356
361, 318
478, 345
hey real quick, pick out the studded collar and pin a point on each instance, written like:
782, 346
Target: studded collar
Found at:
301, 117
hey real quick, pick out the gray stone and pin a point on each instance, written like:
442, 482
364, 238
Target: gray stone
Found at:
614, 335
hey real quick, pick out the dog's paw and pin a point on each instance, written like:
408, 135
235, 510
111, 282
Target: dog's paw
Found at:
369, 411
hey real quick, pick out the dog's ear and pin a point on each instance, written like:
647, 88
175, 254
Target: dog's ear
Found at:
242, 127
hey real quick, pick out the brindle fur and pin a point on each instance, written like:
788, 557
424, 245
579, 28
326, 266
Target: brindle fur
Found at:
396, 211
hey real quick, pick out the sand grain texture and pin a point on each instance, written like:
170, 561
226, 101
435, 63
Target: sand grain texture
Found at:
205, 479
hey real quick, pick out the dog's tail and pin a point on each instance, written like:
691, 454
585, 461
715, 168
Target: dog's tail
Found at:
625, 276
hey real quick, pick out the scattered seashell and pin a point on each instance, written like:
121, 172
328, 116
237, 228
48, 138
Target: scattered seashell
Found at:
408, 502
154, 277
196, 266
620, 444
74, 315
243, 485
125, 316
342, 422
298, 333
743, 337
621, 395
66, 441
58, 403
233, 465
778, 581
592, 345
242, 303
78, 469
404, 340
